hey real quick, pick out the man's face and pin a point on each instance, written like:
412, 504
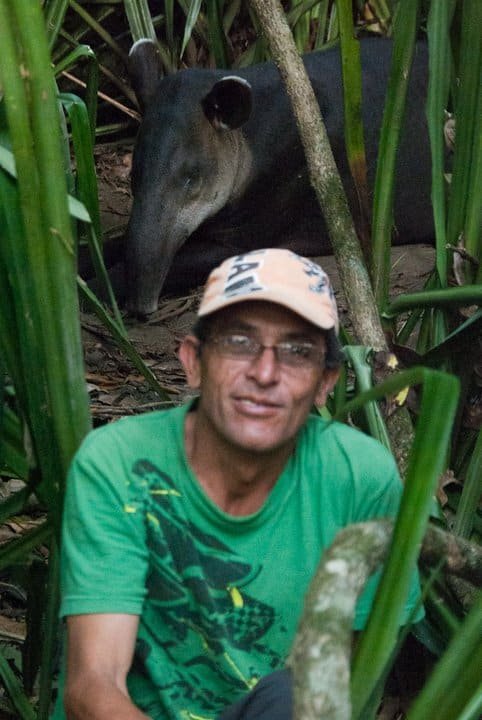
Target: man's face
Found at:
257, 404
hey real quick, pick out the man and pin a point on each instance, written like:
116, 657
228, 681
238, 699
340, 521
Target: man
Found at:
191, 535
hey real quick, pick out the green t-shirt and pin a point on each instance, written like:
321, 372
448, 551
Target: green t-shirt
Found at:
219, 597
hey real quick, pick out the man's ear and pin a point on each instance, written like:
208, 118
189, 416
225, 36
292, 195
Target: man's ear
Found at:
189, 356
328, 382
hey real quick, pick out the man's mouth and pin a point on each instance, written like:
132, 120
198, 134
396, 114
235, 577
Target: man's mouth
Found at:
256, 405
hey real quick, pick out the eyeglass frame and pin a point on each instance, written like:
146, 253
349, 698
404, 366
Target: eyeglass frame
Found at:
257, 349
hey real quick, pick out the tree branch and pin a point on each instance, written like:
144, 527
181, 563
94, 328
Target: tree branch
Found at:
329, 190
321, 653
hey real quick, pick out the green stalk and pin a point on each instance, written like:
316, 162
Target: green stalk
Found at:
323, 21
97, 27
54, 16
141, 25
417, 315
353, 125
16, 550
473, 709
470, 498
448, 297
92, 84
10, 341
230, 14
54, 333
383, 13
7, 163
79, 33
20, 334
88, 192
191, 20
472, 233
433, 330
301, 29
119, 335
439, 20
139, 19
13, 505
427, 461
50, 626
217, 40
468, 129
443, 698
12, 453
15, 691
358, 357
403, 46
39, 310
169, 23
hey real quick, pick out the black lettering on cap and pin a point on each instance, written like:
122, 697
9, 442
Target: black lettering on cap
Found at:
241, 267
241, 287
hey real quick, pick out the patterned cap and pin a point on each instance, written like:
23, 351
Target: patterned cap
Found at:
275, 275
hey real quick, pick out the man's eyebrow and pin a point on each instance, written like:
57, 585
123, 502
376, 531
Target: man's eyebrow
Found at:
303, 336
243, 326
240, 325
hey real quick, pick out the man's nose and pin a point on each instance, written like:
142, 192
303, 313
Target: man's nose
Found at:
265, 368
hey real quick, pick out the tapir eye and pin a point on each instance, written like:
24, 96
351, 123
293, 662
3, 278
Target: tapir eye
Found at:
193, 183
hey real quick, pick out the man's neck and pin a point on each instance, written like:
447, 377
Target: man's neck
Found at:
238, 482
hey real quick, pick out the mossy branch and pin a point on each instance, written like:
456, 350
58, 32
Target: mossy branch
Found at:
321, 653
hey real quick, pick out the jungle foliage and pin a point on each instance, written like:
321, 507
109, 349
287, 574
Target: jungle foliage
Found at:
64, 88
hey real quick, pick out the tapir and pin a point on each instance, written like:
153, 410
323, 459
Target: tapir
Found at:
218, 166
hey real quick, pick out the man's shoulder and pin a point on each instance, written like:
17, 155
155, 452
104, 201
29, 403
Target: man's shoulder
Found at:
332, 436
353, 467
134, 429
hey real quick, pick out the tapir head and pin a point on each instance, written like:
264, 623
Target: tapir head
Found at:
188, 163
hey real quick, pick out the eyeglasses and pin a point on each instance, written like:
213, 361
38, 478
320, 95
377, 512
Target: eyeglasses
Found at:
288, 353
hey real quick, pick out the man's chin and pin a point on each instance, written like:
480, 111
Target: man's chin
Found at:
256, 444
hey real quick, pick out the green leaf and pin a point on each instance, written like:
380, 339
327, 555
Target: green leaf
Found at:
139, 19
13, 458
465, 208
15, 691
358, 357
403, 48
426, 463
17, 550
471, 493
442, 698
191, 20
437, 101
76, 209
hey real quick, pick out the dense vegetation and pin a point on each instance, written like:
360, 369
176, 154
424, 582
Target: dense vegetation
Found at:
56, 56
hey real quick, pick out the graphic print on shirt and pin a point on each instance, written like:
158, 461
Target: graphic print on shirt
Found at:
198, 590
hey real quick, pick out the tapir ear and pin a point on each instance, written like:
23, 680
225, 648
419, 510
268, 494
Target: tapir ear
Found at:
228, 104
145, 69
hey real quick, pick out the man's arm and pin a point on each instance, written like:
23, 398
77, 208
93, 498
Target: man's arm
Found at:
100, 648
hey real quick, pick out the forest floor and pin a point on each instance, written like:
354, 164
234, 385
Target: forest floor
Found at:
117, 389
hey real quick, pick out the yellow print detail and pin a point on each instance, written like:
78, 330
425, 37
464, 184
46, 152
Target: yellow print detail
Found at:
166, 491
236, 597
152, 518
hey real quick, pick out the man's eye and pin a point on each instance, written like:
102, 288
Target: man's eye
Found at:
240, 342
297, 350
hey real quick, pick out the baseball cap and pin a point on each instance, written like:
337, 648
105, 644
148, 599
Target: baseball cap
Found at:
275, 275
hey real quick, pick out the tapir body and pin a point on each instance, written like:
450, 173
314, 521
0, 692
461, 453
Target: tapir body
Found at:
219, 168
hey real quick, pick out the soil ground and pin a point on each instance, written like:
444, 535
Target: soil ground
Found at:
116, 388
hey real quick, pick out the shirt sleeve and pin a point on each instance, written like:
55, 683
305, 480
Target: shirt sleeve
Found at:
104, 557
